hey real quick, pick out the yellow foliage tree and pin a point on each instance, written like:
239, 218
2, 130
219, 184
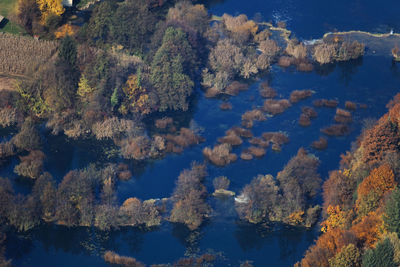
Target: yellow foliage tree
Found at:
296, 218
48, 7
65, 30
336, 219
84, 88
138, 97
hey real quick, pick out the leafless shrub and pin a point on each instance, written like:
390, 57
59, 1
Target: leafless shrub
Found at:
298, 95
276, 137
220, 155
305, 66
266, 91
8, 116
114, 258
7, 149
325, 53
276, 106
240, 132
231, 138
113, 127
257, 152
245, 155
253, 115
320, 144
336, 130
309, 111
221, 182
325, 103
296, 50
285, 61
164, 122
235, 87
304, 120
225, 106
31, 165
269, 47
259, 142
350, 105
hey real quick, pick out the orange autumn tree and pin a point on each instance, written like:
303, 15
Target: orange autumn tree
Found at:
137, 96
371, 190
326, 247
369, 230
66, 29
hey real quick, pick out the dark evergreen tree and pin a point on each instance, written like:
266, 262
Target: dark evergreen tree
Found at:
172, 84
392, 212
381, 256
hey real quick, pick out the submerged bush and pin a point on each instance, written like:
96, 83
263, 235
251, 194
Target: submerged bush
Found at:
298, 95
266, 91
275, 107
31, 165
113, 258
220, 155
320, 144
336, 130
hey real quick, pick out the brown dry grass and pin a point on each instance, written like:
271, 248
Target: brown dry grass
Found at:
304, 120
266, 91
21, 55
240, 132
235, 87
257, 152
114, 258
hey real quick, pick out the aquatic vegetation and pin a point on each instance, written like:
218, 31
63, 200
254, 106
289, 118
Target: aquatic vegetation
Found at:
252, 115
275, 107
225, 106
342, 116
266, 91
245, 155
246, 133
235, 87
350, 105
185, 138
320, 144
231, 138
298, 95
329, 103
257, 152
114, 258
304, 120
220, 155
278, 138
259, 142
309, 111
336, 130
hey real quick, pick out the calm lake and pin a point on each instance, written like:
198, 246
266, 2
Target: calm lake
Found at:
372, 80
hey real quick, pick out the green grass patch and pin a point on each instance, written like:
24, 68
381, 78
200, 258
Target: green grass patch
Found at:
7, 9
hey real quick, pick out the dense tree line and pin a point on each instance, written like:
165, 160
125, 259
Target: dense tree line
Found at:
361, 202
